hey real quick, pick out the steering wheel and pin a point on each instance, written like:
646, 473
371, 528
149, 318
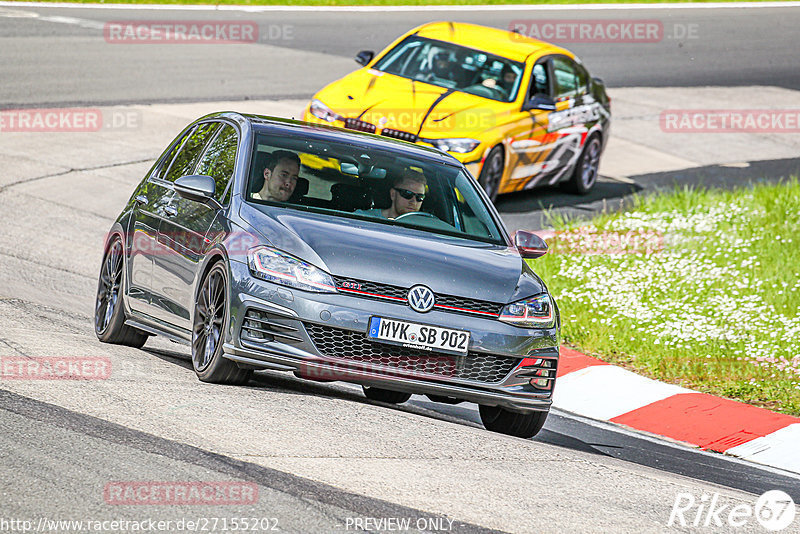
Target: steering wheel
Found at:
418, 213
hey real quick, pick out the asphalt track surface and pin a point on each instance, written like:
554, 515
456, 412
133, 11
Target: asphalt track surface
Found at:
320, 454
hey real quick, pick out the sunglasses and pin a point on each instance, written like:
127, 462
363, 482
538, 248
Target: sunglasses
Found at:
408, 195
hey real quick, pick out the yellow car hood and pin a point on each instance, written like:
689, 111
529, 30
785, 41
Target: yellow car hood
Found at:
390, 101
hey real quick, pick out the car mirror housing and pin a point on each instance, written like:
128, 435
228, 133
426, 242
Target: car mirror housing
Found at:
364, 57
540, 102
197, 187
529, 245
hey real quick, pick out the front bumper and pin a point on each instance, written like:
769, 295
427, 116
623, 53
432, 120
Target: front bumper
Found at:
295, 330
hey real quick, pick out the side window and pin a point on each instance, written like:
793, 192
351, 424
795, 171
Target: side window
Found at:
219, 159
565, 78
183, 162
539, 81
583, 80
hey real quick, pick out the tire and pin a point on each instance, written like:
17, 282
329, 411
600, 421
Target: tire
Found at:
585, 174
521, 425
386, 395
492, 172
211, 314
109, 308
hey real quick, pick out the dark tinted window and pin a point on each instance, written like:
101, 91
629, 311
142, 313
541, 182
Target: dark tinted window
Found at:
219, 159
583, 80
183, 163
539, 81
454, 67
565, 78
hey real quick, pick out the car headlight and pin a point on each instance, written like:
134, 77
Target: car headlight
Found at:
321, 111
459, 145
534, 312
275, 266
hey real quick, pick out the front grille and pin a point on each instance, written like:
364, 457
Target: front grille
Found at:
357, 124
399, 134
260, 326
451, 303
355, 346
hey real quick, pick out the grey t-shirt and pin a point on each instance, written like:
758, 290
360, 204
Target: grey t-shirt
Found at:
374, 212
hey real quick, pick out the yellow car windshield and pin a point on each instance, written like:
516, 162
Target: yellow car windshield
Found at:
453, 67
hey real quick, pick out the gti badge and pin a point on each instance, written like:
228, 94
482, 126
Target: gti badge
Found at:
420, 298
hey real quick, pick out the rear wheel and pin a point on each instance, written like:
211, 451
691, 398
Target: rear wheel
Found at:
208, 331
521, 425
109, 309
585, 174
492, 172
386, 395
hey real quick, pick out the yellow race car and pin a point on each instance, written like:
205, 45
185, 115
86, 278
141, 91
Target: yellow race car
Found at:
516, 111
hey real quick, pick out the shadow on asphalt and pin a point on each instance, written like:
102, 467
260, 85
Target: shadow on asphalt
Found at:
554, 197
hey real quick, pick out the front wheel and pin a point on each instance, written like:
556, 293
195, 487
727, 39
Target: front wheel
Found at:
521, 425
492, 172
208, 331
386, 395
586, 171
109, 309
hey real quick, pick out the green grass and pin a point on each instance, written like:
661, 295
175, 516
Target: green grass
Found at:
379, 2
714, 309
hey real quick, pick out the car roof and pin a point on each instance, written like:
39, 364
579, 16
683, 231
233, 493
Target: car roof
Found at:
267, 124
503, 43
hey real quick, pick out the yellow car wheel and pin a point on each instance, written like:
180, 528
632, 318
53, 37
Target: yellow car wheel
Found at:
492, 172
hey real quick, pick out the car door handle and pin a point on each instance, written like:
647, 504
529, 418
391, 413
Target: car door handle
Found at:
171, 211
141, 200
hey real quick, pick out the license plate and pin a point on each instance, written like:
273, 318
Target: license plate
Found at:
418, 336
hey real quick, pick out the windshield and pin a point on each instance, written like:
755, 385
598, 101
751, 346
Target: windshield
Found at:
454, 67
380, 185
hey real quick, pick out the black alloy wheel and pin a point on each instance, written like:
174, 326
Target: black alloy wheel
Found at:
109, 309
208, 331
586, 171
386, 395
503, 421
492, 172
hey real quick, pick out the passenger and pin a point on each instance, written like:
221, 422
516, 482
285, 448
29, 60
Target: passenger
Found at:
407, 194
280, 176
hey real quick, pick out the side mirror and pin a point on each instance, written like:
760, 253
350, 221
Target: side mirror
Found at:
529, 245
197, 187
540, 102
364, 57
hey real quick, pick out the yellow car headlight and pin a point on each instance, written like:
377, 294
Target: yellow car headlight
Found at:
321, 111
461, 145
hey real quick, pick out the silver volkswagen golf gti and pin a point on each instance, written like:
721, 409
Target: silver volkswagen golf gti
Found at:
336, 255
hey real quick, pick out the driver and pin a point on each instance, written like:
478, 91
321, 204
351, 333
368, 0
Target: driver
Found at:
280, 176
407, 194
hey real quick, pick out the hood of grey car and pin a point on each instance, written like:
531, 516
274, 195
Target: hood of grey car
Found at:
397, 255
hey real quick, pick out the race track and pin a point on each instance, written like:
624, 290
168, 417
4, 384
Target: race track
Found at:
321, 455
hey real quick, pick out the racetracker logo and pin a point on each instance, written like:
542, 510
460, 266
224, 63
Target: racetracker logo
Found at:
69, 120
419, 366
180, 493
181, 32
55, 368
730, 121
590, 31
